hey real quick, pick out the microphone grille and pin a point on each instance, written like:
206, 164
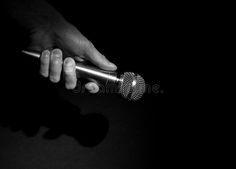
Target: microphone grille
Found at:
132, 86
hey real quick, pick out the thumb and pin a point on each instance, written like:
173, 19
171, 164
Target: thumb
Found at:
94, 56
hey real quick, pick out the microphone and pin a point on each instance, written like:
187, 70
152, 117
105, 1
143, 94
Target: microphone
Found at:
130, 85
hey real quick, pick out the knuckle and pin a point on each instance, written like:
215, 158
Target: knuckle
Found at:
45, 57
69, 61
70, 81
44, 69
70, 86
69, 65
44, 73
55, 70
45, 53
56, 62
85, 43
69, 73
56, 53
89, 44
44, 64
54, 79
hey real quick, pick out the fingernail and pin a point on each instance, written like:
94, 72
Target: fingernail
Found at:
46, 54
57, 53
69, 65
68, 62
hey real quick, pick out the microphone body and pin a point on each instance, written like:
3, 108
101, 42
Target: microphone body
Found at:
131, 86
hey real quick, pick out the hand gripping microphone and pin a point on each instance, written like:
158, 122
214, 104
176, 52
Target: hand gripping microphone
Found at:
130, 85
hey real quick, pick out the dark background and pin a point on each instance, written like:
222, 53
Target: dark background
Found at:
45, 126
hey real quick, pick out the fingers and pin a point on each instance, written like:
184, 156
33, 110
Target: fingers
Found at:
79, 59
71, 79
55, 65
70, 73
98, 59
44, 61
92, 87
79, 45
51, 66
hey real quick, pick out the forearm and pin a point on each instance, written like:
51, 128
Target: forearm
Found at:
34, 13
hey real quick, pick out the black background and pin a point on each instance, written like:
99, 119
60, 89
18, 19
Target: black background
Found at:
103, 130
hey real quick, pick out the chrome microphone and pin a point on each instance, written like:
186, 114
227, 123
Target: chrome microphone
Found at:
130, 85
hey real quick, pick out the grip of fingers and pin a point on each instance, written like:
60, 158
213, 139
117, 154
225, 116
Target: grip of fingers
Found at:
55, 66
69, 73
44, 63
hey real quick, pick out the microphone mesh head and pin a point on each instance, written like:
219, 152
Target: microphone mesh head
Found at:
133, 86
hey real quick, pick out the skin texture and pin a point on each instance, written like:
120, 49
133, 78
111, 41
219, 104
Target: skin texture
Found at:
56, 39
54, 63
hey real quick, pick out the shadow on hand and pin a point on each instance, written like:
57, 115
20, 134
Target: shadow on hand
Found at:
60, 117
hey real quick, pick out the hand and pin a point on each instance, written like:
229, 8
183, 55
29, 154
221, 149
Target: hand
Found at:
69, 40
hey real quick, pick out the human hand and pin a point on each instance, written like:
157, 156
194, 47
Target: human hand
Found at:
68, 42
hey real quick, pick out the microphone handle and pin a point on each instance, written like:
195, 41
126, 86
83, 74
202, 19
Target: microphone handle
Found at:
88, 72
